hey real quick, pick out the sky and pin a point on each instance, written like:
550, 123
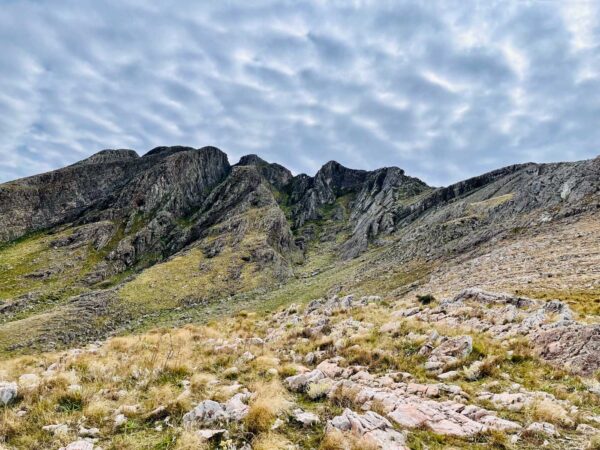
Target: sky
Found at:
443, 89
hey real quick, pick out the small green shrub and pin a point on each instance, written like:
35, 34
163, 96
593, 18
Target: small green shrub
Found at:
69, 403
425, 299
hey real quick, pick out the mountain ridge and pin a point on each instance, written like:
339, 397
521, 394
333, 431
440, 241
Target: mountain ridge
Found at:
103, 222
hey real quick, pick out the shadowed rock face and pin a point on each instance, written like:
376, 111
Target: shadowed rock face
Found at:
380, 201
331, 182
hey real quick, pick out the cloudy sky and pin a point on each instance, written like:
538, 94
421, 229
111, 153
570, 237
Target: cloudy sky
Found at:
445, 90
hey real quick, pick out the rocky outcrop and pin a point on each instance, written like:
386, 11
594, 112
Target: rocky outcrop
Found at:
154, 203
373, 428
308, 195
573, 346
451, 351
154, 194
176, 184
225, 217
98, 234
8, 392
274, 173
110, 185
53, 198
210, 413
383, 198
456, 219
410, 405
207, 412
549, 325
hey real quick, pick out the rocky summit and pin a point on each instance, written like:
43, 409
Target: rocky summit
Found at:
176, 301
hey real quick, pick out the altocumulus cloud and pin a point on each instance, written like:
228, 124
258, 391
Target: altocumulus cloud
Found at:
444, 89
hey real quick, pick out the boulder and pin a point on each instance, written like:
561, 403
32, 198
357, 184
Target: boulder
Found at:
586, 429
544, 428
245, 358
499, 424
88, 432
478, 295
8, 392
29, 381
574, 346
447, 418
206, 413
236, 408
451, 351
299, 383
128, 410
372, 427
120, 420
307, 419
79, 445
390, 327
330, 368
208, 434
507, 400
255, 341
448, 376
57, 429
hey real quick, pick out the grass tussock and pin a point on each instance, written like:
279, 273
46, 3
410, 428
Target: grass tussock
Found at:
188, 440
271, 441
594, 443
336, 440
549, 411
271, 400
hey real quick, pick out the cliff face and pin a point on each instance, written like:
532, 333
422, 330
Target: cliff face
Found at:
43, 201
113, 183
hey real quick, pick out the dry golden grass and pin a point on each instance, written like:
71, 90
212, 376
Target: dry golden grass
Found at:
96, 411
199, 382
189, 440
344, 397
594, 443
336, 440
318, 390
271, 399
549, 411
265, 362
271, 441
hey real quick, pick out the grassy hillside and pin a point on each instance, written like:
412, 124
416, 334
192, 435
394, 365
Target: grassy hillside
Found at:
135, 390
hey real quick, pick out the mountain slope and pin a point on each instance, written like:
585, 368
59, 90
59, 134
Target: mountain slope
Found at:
181, 235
